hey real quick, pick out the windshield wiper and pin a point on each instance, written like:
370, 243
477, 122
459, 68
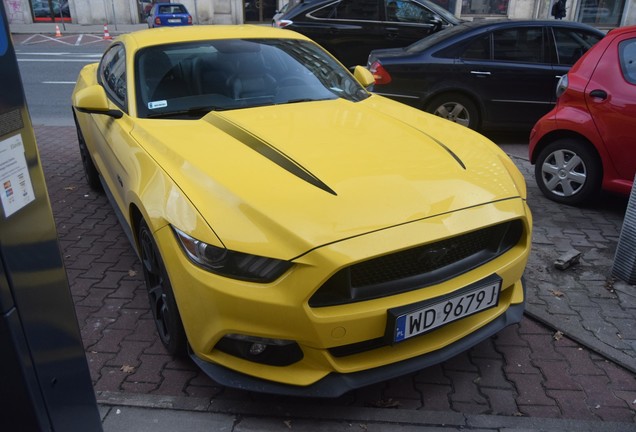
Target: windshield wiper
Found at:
199, 111
299, 100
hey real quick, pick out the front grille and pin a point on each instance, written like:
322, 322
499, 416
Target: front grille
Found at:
418, 267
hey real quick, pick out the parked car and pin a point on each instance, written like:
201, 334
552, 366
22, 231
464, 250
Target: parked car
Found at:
350, 29
168, 15
588, 141
484, 74
285, 264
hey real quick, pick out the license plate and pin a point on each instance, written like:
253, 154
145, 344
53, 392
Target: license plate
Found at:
413, 320
174, 20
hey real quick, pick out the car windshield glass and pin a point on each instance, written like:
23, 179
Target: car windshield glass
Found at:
181, 80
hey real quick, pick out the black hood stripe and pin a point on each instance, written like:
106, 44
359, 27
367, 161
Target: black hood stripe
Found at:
445, 147
270, 152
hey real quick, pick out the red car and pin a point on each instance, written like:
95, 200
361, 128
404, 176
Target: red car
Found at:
588, 141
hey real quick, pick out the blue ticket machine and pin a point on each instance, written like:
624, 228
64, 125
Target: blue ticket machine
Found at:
45, 382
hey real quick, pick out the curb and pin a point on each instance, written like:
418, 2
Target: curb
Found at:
382, 419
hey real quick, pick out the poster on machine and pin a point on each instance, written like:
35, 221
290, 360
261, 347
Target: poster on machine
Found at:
17, 190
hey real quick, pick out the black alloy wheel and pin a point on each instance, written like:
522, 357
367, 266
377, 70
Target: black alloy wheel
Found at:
568, 171
456, 108
90, 172
162, 302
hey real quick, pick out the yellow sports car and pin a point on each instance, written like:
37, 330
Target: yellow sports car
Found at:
298, 234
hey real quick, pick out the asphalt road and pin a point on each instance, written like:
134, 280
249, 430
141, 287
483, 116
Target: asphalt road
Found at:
49, 67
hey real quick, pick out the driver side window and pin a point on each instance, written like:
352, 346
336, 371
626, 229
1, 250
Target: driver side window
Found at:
408, 12
112, 75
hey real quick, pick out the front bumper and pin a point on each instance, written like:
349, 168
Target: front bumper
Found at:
336, 384
213, 307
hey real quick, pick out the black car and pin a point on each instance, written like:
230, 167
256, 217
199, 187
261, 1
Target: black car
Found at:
487, 75
350, 29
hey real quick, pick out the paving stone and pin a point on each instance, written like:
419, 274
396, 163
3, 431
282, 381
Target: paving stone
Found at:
435, 397
174, 382
573, 404
501, 402
491, 374
557, 376
530, 389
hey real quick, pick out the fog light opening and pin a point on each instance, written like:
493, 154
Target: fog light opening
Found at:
257, 348
275, 352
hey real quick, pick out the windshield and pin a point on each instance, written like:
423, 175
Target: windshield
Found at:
187, 80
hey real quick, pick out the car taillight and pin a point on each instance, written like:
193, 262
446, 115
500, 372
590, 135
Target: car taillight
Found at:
158, 21
283, 23
189, 20
379, 73
562, 85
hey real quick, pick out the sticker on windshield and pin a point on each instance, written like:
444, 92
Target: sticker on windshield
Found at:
157, 104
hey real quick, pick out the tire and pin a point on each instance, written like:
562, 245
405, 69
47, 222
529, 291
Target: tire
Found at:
456, 108
162, 302
90, 172
568, 171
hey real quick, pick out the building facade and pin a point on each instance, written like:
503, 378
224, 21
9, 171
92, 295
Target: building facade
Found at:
605, 14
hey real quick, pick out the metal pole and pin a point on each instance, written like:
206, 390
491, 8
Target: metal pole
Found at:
112, 3
625, 260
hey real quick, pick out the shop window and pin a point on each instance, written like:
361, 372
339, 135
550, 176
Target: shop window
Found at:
485, 7
601, 12
50, 10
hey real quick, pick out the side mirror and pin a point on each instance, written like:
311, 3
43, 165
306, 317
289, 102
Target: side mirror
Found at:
437, 23
363, 76
92, 100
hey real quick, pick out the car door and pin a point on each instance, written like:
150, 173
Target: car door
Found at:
407, 21
348, 29
611, 98
515, 84
110, 136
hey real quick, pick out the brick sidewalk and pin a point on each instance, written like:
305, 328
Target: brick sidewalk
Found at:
526, 370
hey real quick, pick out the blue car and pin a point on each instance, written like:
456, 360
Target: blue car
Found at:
168, 15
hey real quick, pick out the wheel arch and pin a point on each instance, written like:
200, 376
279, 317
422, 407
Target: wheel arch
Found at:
136, 216
563, 134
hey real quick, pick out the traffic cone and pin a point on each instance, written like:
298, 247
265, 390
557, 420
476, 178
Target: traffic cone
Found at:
57, 31
106, 34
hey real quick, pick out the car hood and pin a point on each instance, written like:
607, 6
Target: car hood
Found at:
304, 175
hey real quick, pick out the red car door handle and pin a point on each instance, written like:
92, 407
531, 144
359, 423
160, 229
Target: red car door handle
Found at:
601, 94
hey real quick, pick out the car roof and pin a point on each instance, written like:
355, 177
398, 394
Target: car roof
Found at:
524, 22
470, 28
151, 37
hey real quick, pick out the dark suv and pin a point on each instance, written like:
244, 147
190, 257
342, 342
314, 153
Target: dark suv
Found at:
350, 29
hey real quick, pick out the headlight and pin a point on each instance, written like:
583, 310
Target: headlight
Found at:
229, 263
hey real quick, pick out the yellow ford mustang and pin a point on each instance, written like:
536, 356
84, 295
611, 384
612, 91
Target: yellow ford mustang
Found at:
298, 234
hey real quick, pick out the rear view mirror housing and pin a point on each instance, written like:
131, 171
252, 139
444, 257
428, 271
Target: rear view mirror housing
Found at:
93, 100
